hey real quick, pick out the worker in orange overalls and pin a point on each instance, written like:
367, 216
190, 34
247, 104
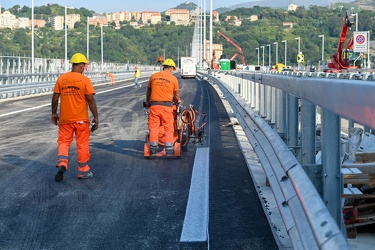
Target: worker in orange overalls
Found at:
162, 92
75, 92
112, 78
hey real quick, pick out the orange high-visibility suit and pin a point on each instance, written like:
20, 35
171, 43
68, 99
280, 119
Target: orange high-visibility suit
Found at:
112, 78
162, 91
72, 89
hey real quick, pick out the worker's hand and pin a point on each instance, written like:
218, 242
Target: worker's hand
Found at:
94, 124
55, 119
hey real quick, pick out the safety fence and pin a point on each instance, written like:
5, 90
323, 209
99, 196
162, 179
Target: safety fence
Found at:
43, 83
278, 115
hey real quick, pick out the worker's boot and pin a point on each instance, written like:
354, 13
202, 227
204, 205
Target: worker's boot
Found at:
154, 148
169, 149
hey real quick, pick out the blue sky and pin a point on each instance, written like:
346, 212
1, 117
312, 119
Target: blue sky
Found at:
120, 5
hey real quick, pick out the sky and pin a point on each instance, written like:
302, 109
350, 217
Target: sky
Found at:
121, 5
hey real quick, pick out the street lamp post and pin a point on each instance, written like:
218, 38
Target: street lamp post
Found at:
88, 39
269, 56
277, 52
32, 37
356, 21
322, 36
299, 44
101, 45
66, 39
299, 49
258, 54
263, 55
284, 41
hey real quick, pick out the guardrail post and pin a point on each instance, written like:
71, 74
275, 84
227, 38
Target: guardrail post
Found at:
308, 132
332, 178
281, 113
268, 103
292, 139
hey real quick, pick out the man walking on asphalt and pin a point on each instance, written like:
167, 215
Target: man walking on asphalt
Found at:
137, 74
75, 92
162, 92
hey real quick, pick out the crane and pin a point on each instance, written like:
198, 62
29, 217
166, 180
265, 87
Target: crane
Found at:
344, 59
236, 46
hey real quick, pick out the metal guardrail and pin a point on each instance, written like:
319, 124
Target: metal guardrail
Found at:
42, 86
307, 218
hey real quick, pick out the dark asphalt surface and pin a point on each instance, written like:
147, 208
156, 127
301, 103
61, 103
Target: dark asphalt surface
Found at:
132, 202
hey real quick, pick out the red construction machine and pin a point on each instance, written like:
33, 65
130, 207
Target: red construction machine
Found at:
345, 59
236, 46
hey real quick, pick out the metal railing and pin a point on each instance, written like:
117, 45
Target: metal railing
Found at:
278, 115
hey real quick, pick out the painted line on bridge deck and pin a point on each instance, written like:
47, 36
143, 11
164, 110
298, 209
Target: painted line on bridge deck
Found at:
49, 104
195, 228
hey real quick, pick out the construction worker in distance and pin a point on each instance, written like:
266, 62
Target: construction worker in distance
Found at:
112, 78
137, 74
75, 92
161, 93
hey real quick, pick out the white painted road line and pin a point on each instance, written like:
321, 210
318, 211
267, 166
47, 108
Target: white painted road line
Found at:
195, 228
49, 104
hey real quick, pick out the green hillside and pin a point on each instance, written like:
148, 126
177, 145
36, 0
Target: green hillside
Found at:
144, 45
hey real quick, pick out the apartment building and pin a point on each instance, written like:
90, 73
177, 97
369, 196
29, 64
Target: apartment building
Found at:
137, 16
8, 20
120, 16
57, 22
179, 16
98, 19
151, 17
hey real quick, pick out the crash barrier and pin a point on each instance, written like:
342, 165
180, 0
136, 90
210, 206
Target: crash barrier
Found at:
267, 108
43, 83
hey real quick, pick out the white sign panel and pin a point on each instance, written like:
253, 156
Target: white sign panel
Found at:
360, 41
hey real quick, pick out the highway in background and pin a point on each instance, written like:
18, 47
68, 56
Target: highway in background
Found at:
132, 202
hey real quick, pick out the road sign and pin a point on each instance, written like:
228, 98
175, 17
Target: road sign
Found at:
301, 58
360, 41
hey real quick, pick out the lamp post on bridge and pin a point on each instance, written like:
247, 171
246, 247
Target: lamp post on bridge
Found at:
269, 56
322, 36
284, 41
263, 55
299, 49
258, 54
66, 39
32, 38
277, 50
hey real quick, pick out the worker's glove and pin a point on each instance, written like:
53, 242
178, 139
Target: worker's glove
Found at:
55, 119
94, 124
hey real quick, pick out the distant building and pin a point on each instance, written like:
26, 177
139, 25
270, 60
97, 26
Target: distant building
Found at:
98, 19
57, 22
151, 17
23, 23
292, 7
38, 23
215, 16
217, 49
179, 16
229, 18
253, 18
8, 20
137, 16
288, 24
120, 16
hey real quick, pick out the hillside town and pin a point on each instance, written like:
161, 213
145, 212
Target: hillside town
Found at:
135, 19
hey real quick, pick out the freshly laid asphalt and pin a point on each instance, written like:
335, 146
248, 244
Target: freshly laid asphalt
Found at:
132, 202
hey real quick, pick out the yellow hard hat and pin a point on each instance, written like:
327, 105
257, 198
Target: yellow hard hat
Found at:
78, 58
170, 63
107, 72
